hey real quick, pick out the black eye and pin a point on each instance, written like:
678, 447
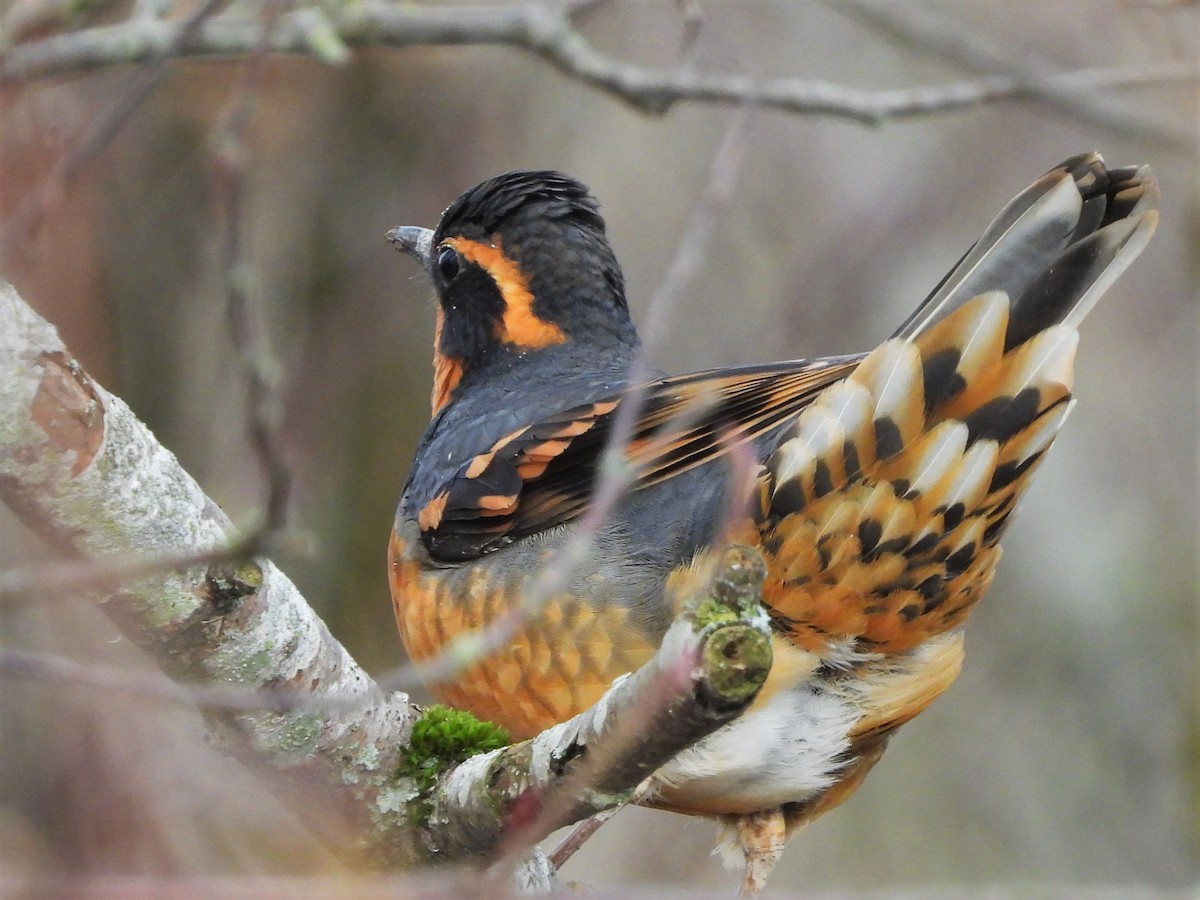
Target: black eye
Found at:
448, 263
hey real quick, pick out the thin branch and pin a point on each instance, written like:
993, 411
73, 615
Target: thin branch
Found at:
934, 35
697, 235
549, 33
104, 127
583, 832
22, 18
693, 23
53, 668
617, 474
102, 576
258, 364
690, 254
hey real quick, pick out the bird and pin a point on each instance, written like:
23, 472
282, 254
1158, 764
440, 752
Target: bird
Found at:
875, 485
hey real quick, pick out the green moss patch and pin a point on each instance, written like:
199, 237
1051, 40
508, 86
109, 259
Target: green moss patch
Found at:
442, 738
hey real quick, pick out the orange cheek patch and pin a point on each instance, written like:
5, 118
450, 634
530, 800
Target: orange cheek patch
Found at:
519, 326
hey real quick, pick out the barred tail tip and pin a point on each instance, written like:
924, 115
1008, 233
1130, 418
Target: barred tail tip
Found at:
1054, 249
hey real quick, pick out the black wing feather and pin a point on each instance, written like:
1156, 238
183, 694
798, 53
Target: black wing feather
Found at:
543, 475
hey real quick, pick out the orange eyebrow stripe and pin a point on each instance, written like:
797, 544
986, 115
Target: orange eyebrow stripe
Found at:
519, 325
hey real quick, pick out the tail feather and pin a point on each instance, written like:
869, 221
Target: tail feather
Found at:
891, 491
1055, 248
956, 350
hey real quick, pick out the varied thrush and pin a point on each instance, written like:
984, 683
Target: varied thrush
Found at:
882, 481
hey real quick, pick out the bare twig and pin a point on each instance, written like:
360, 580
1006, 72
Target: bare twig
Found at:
932, 34
698, 233
693, 23
548, 32
101, 576
583, 832
617, 474
15, 663
22, 18
258, 365
105, 127
49, 667
743, 468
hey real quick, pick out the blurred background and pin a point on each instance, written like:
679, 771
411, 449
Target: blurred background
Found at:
1068, 753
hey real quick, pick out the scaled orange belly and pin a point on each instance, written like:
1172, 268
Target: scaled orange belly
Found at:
555, 664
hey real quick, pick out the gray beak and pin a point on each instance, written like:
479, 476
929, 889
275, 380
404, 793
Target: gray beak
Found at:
415, 241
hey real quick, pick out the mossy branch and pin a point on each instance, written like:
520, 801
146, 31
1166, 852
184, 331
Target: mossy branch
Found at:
281, 693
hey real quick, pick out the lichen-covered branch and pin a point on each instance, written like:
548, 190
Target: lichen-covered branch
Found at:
79, 468
329, 32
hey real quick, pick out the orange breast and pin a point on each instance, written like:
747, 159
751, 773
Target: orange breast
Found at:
556, 663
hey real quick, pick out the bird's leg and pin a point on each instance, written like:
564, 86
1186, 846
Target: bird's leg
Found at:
762, 836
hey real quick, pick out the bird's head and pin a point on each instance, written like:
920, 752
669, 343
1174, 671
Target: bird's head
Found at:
520, 264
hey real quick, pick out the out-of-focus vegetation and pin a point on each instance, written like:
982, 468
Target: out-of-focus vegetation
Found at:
1068, 752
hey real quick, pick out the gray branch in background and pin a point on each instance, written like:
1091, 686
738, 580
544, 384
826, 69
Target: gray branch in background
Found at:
328, 33
935, 36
